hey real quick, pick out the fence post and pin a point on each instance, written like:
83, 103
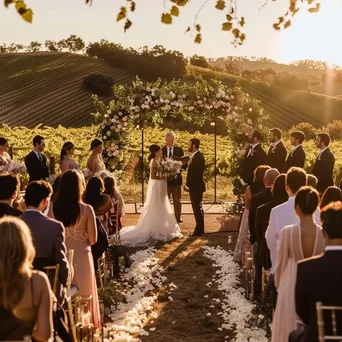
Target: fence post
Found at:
52, 165
10, 151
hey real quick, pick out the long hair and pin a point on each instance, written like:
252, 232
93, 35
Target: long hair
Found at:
153, 150
66, 207
331, 194
67, 146
94, 192
16, 257
110, 186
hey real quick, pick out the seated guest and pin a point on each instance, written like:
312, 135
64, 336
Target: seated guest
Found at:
8, 194
48, 234
113, 192
55, 187
319, 279
312, 181
298, 241
243, 242
257, 200
332, 194
25, 299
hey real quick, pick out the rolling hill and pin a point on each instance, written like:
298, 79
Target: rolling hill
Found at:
46, 87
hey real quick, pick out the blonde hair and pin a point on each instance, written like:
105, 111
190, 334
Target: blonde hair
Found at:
16, 257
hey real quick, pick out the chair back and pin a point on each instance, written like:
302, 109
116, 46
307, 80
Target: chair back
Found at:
52, 273
265, 276
114, 230
320, 308
102, 270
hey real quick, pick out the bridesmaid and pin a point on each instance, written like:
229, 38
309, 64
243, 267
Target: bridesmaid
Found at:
95, 162
5, 158
66, 161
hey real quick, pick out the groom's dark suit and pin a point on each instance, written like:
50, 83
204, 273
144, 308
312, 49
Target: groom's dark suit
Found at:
37, 169
196, 186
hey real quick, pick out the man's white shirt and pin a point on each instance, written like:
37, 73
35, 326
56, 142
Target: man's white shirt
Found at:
281, 216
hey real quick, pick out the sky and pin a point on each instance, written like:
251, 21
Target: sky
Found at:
311, 36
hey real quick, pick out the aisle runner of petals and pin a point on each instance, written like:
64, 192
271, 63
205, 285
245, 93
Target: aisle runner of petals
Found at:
236, 309
142, 279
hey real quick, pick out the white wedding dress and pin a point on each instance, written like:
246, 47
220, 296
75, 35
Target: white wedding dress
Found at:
157, 221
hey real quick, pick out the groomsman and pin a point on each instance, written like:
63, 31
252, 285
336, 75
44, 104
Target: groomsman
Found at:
297, 155
35, 161
255, 157
277, 152
174, 187
324, 165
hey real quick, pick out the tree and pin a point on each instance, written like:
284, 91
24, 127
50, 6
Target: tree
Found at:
199, 61
51, 45
233, 68
34, 46
232, 22
74, 43
62, 45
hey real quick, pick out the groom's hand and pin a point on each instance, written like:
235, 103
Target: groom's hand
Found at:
186, 189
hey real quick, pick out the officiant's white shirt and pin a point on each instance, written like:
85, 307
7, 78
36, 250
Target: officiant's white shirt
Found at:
281, 216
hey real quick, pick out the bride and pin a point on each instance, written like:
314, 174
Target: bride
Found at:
157, 221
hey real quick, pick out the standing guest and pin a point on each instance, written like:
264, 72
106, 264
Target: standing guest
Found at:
243, 241
255, 157
80, 224
332, 194
119, 205
48, 234
67, 163
297, 155
312, 181
284, 214
257, 200
319, 279
277, 152
324, 164
174, 186
35, 161
25, 299
195, 184
8, 194
5, 158
55, 187
297, 242
95, 162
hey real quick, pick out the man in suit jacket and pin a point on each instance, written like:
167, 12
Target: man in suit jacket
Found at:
174, 186
35, 161
8, 193
284, 214
258, 200
325, 162
297, 155
319, 279
255, 157
277, 152
195, 184
48, 234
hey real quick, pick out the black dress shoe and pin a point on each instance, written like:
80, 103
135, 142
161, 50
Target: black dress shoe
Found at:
180, 221
197, 234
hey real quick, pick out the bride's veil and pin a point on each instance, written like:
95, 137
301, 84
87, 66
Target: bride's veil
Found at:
150, 186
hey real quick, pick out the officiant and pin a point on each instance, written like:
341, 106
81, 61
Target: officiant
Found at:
174, 187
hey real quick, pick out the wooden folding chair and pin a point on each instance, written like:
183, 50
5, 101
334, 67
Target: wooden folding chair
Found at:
70, 257
320, 322
102, 270
55, 272
264, 280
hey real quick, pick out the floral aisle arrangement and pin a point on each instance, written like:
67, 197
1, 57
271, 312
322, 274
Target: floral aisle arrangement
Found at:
236, 309
13, 167
169, 168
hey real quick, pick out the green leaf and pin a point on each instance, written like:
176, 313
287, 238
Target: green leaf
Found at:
166, 18
227, 26
198, 38
19, 5
236, 33
287, 24
188, 29
180, 2
8, 2
229, 17
220, 5
315, 9
122, 14
128, 24
175, 11
242, 21
198, 28
133, 5
27, 15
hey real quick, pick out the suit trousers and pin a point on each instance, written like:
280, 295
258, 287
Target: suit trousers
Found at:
176, 192
257, 267
196, 198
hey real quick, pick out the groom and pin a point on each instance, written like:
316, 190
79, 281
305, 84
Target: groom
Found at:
195, 184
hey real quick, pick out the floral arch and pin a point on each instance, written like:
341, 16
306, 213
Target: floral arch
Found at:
144, 104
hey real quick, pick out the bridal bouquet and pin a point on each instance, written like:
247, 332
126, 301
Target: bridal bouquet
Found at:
14, 167
169, 168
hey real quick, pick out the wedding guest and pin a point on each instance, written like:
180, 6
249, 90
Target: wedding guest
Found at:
297, 242
297, 155
277, 152
174, 186
5, 158
102, 204
35, 161
243, 242
25, 299
8, 194
119, 205
48, 234
80, 225
66, 161
324, 164
284, 214
331, 194
255, 157
319, 279
312, 181
55, 187
95, 162
257, 200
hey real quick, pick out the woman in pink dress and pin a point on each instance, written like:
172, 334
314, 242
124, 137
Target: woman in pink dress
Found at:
80, 226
